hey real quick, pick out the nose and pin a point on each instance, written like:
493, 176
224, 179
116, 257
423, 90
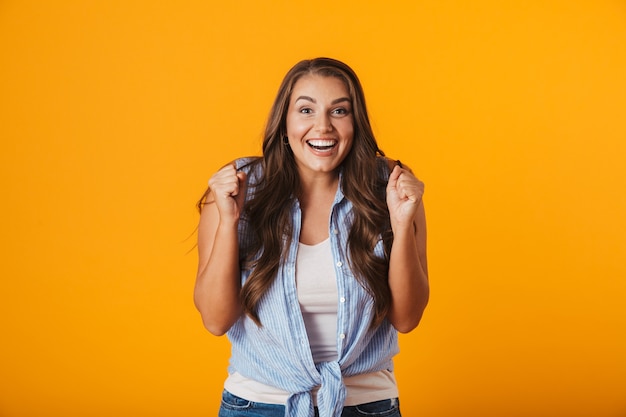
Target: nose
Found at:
323, 123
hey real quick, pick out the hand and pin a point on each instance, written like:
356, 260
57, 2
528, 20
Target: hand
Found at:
228, 187
404, 195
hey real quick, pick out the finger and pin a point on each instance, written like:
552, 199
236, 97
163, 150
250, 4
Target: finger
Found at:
396, 172
394, 176
224, 172
410, 187
403, 191
225, 182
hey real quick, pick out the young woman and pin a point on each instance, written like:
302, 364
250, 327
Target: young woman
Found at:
312, 257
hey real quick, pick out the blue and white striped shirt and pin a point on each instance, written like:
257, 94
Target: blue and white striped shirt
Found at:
278, 353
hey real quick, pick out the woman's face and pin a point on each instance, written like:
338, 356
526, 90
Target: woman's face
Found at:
320, 124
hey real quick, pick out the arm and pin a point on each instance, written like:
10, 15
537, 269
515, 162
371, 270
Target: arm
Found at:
408, 272
216, 293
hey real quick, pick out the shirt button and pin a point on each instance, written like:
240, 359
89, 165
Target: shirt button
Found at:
336, 232
342, 299
342, 336
339, 264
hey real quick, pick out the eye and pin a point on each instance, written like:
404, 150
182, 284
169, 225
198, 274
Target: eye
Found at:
341, 111
306, 110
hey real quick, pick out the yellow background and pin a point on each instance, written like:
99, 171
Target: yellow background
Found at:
113, 115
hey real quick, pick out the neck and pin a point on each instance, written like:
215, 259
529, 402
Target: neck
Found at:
318, 188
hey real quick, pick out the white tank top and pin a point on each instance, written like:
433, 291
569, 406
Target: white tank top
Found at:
318, 296
316, 283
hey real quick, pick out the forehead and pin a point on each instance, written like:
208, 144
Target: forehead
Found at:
313, 85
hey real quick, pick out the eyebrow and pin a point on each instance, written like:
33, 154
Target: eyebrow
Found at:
312, 100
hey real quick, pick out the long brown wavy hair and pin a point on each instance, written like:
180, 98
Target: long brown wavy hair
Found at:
269, 210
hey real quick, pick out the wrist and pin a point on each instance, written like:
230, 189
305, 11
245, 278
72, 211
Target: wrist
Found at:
404, 230
228, 224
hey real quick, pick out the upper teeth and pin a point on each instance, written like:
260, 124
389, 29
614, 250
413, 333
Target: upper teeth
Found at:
321, 142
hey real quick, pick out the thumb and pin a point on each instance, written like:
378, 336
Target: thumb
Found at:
242, 178
393, 177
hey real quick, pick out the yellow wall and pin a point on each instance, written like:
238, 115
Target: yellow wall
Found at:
113, 115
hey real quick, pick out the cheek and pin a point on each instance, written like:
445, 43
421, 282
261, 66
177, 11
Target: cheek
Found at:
295, 127
347, 131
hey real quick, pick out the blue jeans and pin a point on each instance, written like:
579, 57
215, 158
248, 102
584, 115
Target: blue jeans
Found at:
233, 406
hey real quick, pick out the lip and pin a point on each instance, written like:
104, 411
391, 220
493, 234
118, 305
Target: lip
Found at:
322, 144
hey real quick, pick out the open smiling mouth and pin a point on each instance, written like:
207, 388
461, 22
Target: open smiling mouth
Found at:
322, 145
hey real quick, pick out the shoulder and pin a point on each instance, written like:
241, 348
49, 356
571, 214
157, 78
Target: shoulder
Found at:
250, 165
247, 163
